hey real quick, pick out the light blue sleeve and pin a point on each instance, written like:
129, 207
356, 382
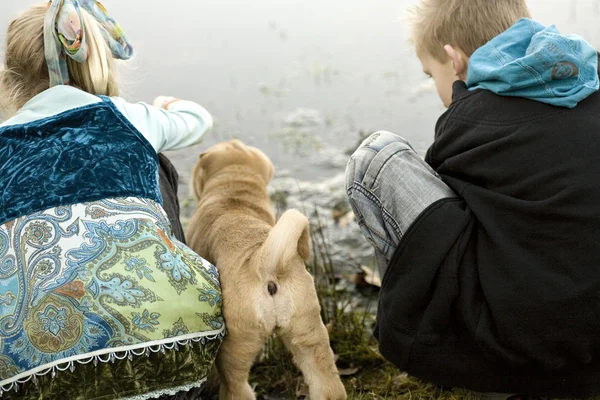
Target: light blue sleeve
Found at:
182, 125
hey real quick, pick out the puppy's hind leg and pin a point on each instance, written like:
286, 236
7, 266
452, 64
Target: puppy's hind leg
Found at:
234, 361
307, 339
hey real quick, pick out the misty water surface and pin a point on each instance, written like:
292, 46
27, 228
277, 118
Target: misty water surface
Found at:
298, 78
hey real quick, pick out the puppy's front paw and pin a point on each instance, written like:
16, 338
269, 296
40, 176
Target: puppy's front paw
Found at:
338, 391
240, 392
331, 389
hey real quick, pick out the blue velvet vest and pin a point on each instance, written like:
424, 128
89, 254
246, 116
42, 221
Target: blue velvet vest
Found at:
84, 154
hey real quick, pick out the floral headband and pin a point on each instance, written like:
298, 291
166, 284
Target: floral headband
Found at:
64, 35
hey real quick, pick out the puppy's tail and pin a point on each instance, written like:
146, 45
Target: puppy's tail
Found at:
288, 238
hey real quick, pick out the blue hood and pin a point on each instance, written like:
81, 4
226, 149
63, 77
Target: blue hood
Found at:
536, 62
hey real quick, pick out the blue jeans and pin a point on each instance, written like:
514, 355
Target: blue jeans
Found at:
388, 186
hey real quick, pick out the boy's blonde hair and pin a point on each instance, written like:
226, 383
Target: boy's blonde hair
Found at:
26, 73
468, 24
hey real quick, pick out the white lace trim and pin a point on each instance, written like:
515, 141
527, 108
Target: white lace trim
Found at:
109, 355
167, 392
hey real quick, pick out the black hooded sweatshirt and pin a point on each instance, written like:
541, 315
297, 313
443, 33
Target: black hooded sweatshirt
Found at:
498, 289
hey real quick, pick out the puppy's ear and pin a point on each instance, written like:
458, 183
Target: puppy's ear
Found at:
270, 172
238, 144
197, 178
304, 244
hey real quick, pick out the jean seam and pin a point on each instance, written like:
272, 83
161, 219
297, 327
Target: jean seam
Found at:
361, 222
386, 214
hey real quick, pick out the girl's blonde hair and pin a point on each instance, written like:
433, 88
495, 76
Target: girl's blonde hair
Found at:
468, 24
26, 73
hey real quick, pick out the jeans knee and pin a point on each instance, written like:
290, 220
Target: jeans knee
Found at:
378, 141
382, 138
362, 158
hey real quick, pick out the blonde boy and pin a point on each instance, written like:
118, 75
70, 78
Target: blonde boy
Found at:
490, 247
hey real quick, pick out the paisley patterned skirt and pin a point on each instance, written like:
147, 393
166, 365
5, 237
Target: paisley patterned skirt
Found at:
100, 301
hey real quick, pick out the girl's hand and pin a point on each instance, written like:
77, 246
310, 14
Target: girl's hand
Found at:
164, 101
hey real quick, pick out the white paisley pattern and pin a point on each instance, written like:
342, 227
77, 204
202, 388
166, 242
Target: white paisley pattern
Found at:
84, 280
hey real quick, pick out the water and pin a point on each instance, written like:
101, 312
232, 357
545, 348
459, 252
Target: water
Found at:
252, 63
298, 78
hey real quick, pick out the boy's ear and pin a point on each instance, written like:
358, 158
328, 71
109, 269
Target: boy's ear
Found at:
459, 61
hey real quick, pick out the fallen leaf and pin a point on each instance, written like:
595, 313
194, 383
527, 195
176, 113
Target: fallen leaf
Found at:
345, 220
371, 277
348, 371
355, 279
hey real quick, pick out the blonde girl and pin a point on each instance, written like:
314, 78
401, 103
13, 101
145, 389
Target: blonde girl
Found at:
99, 297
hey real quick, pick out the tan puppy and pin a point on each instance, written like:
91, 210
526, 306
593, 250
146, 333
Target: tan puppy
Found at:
266, 287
